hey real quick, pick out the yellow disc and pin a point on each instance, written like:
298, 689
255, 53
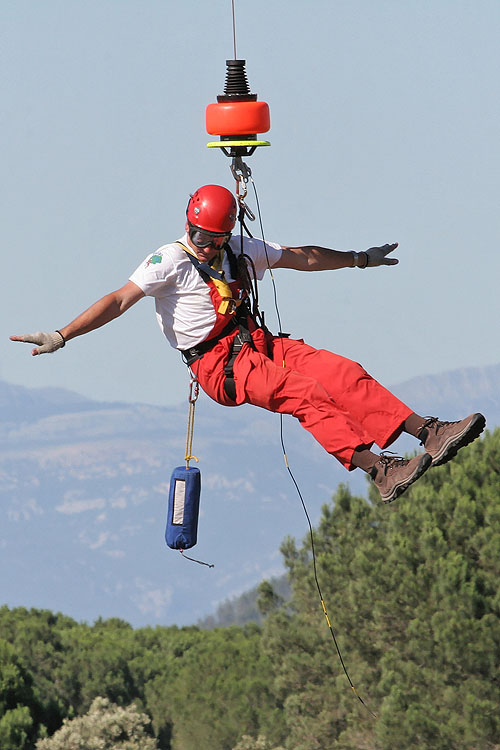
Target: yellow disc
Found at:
248, 144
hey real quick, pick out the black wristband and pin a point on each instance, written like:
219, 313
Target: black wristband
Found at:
64, 340
366, 261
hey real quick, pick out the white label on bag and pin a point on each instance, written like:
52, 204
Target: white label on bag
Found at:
179, 502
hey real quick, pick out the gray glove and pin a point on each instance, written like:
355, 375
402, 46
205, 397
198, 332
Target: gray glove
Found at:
47, 342
377, 255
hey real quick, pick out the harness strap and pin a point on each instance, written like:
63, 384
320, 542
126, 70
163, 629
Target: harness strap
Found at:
204, 269
228, 303
240, 320
195, 352
242, 337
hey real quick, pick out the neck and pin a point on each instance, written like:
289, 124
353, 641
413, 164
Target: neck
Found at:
205, 254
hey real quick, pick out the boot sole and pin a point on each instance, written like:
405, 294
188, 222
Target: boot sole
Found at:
450, 449
424, 464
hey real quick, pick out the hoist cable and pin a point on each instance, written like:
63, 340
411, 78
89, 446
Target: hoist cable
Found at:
234, 31
282, 439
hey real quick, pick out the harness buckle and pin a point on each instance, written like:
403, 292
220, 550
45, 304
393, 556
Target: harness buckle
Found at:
244, 336
228, 306
237, 345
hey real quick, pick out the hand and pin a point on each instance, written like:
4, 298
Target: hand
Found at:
377, 255
47, 342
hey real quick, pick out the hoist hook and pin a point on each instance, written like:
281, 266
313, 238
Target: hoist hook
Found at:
242, 173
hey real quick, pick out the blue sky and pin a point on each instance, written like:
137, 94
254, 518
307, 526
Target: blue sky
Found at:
384, 127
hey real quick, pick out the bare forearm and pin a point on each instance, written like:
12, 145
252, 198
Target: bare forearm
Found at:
315, 258
103, 311
97, 315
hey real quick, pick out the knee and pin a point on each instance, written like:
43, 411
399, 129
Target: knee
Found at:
344, 372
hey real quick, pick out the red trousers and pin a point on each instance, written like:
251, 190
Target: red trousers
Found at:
332, 397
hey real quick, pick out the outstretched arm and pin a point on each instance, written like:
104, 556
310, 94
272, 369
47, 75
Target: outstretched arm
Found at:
101, 312
313, 258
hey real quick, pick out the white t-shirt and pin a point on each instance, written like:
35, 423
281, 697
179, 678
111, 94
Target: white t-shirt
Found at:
184, 309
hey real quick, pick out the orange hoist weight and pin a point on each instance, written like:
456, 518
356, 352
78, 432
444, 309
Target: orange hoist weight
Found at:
237, 117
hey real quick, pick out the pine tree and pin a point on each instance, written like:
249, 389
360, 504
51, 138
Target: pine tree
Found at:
17, 700
413, 594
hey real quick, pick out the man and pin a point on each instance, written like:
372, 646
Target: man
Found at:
201, 285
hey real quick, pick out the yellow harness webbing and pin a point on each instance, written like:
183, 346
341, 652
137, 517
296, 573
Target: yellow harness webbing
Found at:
228, 304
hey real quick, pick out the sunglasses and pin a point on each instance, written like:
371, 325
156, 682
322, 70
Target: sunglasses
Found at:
202, 238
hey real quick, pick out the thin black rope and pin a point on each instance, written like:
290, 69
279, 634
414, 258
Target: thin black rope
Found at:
282, 439
200, 562
275, 293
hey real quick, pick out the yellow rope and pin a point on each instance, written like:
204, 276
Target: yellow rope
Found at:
194, 390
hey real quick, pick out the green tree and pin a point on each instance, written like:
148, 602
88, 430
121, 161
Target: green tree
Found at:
413, 593
16, 729
216, 686
36, 636
98, 662
71, 663
106, 726
17, 700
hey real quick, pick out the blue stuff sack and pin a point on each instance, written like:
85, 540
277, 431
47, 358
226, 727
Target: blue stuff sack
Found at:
183, 508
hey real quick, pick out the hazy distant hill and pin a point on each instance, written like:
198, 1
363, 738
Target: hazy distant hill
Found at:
457, 392
242, 609
84, 486
19, 404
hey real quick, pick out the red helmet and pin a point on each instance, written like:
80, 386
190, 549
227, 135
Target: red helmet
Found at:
212, 208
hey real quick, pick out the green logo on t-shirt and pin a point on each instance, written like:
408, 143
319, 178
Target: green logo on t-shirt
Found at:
157, 258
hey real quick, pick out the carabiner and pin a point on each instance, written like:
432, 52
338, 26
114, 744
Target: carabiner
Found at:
241, 189
241, 173
194, 390
248, 211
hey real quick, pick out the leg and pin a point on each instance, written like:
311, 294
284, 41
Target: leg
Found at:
337, 401
380, 413
303, 397
283, 390
382, 416
261, 382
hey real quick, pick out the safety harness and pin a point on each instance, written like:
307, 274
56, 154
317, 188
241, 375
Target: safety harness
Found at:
239, 309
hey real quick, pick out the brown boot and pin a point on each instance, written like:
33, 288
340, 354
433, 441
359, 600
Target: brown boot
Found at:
393, 475
442, 440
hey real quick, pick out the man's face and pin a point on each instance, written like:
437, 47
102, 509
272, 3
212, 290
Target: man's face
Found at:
206, 245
